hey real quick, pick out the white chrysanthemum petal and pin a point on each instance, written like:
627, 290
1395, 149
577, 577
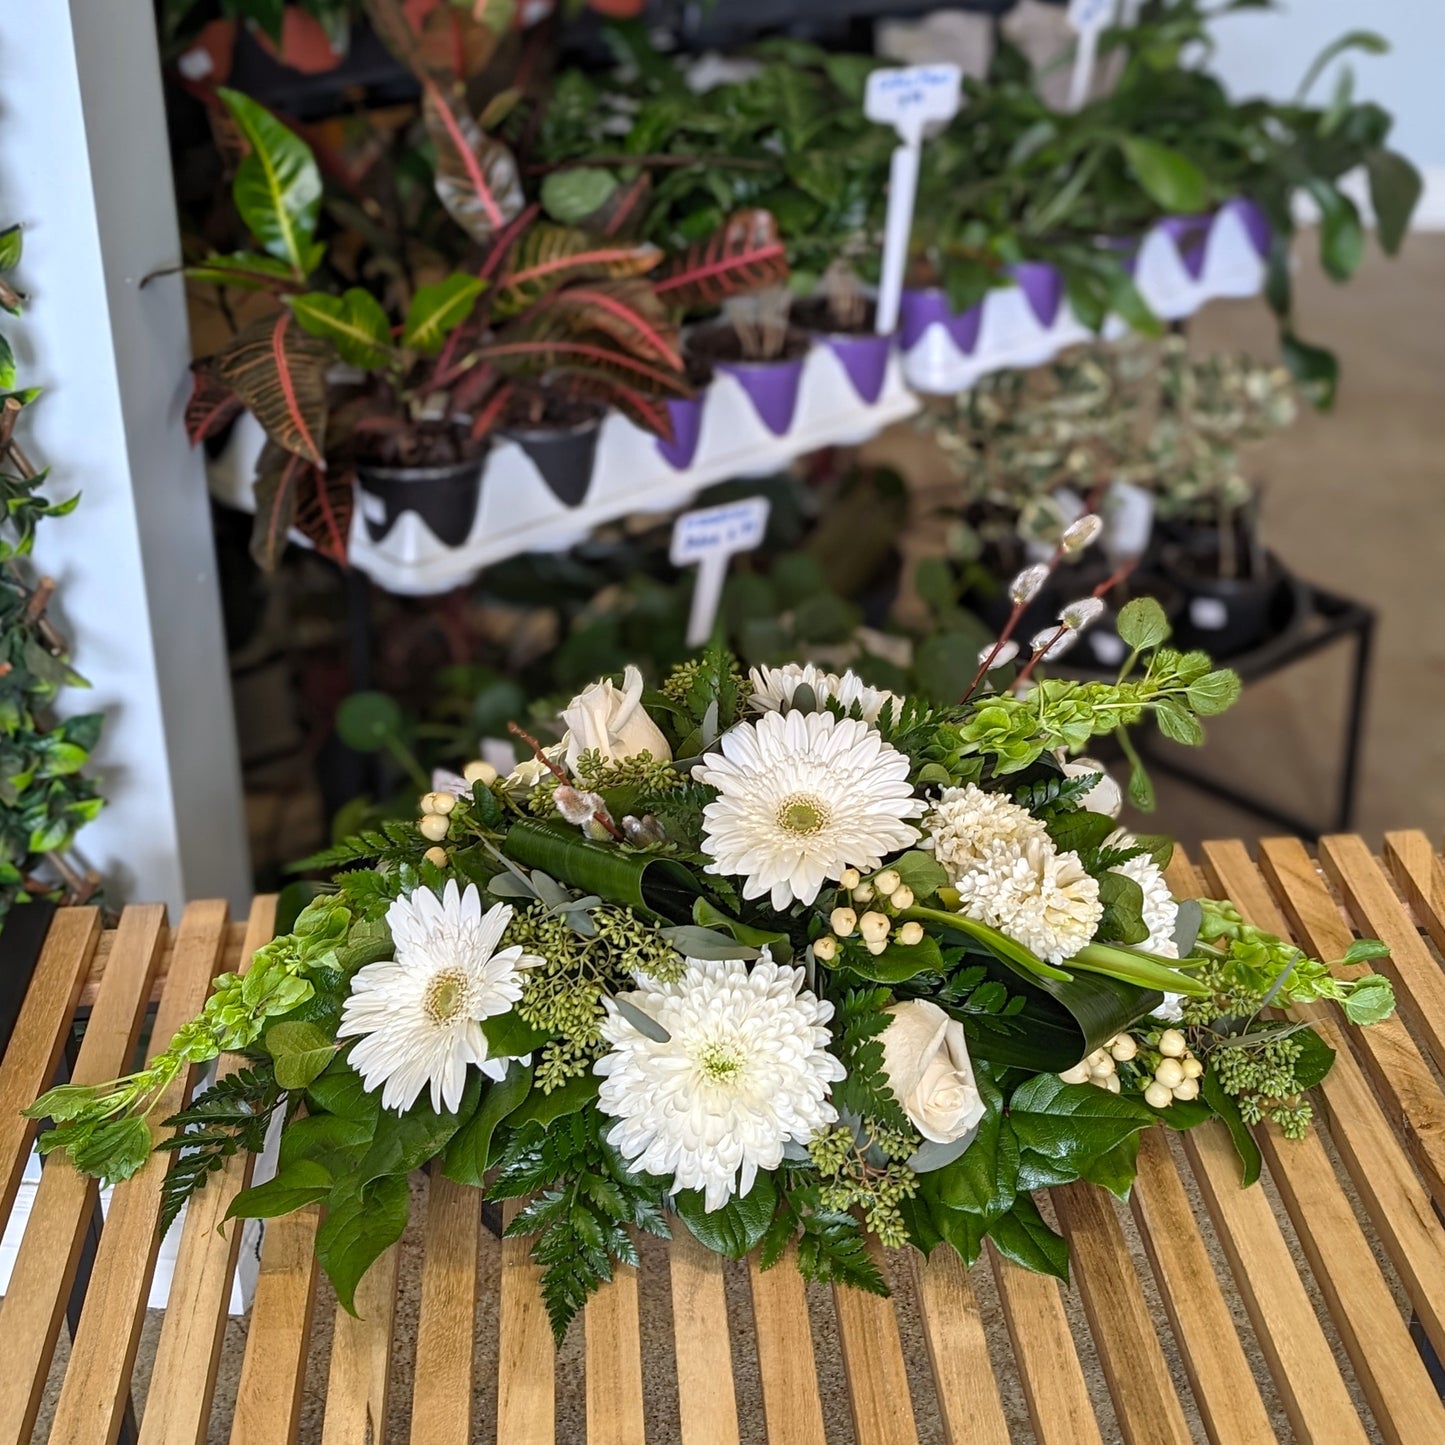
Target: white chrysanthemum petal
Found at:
801, 797
1161, 914
966, 821
774, 688
417, 1016
744, 1070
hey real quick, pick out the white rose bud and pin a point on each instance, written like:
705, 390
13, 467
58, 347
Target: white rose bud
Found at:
1172, 1044
1170, 1073
480, 772
1025, 587
1079, 534
611, 721
433, 827
437, 857
850, 879
887, 882
1105, 796
925, 1059
843, 921
874, 927
911, 934
825, 949
1158, 1096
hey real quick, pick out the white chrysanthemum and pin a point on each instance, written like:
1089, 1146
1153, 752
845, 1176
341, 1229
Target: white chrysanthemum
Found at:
1161, 913
773, 689
966, 822
802, 796
418, 1015
1038, 897
744, 1070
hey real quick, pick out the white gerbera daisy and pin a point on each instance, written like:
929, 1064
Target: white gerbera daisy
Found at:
418, 1015
1038, 897
774, 687
966, 822
1161, 913
802, 797
744, 1070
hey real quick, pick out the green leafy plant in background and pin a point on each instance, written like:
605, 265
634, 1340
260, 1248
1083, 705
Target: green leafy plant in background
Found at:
44, 795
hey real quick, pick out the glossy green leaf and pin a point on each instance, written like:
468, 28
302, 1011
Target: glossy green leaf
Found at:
736, 1228
545, 1109
1142, 624
359, 1227
300, 1183
11, 241
403, 1142
1395, 190
1072, 1124
1172, 180
245, 270
469, 1153
437, 309
277, 188
1023, 1236
508, 1036
1227, 1107
570, 196
353, 323
301, 1051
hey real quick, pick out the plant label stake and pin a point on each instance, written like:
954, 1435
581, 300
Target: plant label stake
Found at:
1088, 17
710, 537
907, 99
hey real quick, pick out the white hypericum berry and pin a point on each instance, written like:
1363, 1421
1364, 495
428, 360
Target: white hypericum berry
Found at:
876, 946
999, 654
1193, 1069
1025, 587
1078, 535
442, 803
1172, 1044
1100, 1064
843, 921
902, 897
480, 772
433, 827
1158, 1096
437, 857
911, 934
874, 927
1079, 1074
863, 893
1078, 615
1123, 1048
1187, 1089
825, 949
1111, 1083
887, 882
849, 879
1170, 1073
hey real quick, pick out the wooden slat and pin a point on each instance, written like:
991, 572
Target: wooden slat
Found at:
1421, 875
873, 1363
357, 1381
707, 1405
791, 1407
273, 1370
1404, 1402
194, 1327
958, 1351
441, 1397
1225, 1389
97, 1378
233, 945
1398, 1203
64, 1200
613, 1332
38, 1038
1053, 1380
1125, 1337
526, 1360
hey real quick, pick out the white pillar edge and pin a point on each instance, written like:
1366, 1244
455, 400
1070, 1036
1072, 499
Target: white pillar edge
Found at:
85, 168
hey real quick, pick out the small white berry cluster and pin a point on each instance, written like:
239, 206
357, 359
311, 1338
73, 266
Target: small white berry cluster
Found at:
874, 927
436, 809
1176, 1075
1101, 1068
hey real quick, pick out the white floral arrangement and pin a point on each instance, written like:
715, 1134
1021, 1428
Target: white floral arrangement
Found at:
782, 957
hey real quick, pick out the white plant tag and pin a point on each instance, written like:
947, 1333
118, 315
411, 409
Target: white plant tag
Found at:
908, 99
1089, 18
709, 538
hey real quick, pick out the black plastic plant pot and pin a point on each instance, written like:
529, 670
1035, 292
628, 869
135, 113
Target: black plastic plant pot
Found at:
444, 497
1226, 616
565, 456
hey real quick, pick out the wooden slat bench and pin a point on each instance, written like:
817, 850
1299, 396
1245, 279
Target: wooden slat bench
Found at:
1304, 1309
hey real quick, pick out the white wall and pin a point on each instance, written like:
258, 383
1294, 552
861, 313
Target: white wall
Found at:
84, 166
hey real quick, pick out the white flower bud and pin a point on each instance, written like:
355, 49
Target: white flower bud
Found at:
1111, 1083
1079, 1074
1158, 1096
825, 949
480, 772
843, 921
902, 897
1005, 654
911, 934
863, 893
1193, 1069
1079, 534
1170, 1073
433, 827
1057, 642
849, 879
1025, 587
1123, 1048
1078, 615
875, 927
1187, 1089
1172, 1044
437, 857
887, 882
876, 946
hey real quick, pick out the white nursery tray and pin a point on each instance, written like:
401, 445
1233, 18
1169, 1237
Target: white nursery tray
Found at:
518, 512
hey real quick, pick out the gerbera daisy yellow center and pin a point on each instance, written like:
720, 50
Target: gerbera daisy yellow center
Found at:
446, 996
803, 814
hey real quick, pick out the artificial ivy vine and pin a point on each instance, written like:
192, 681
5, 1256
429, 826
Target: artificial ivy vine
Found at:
44, 795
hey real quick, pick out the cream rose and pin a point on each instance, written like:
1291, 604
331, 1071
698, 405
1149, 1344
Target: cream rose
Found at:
1104, 797
926, 1061
612, 721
